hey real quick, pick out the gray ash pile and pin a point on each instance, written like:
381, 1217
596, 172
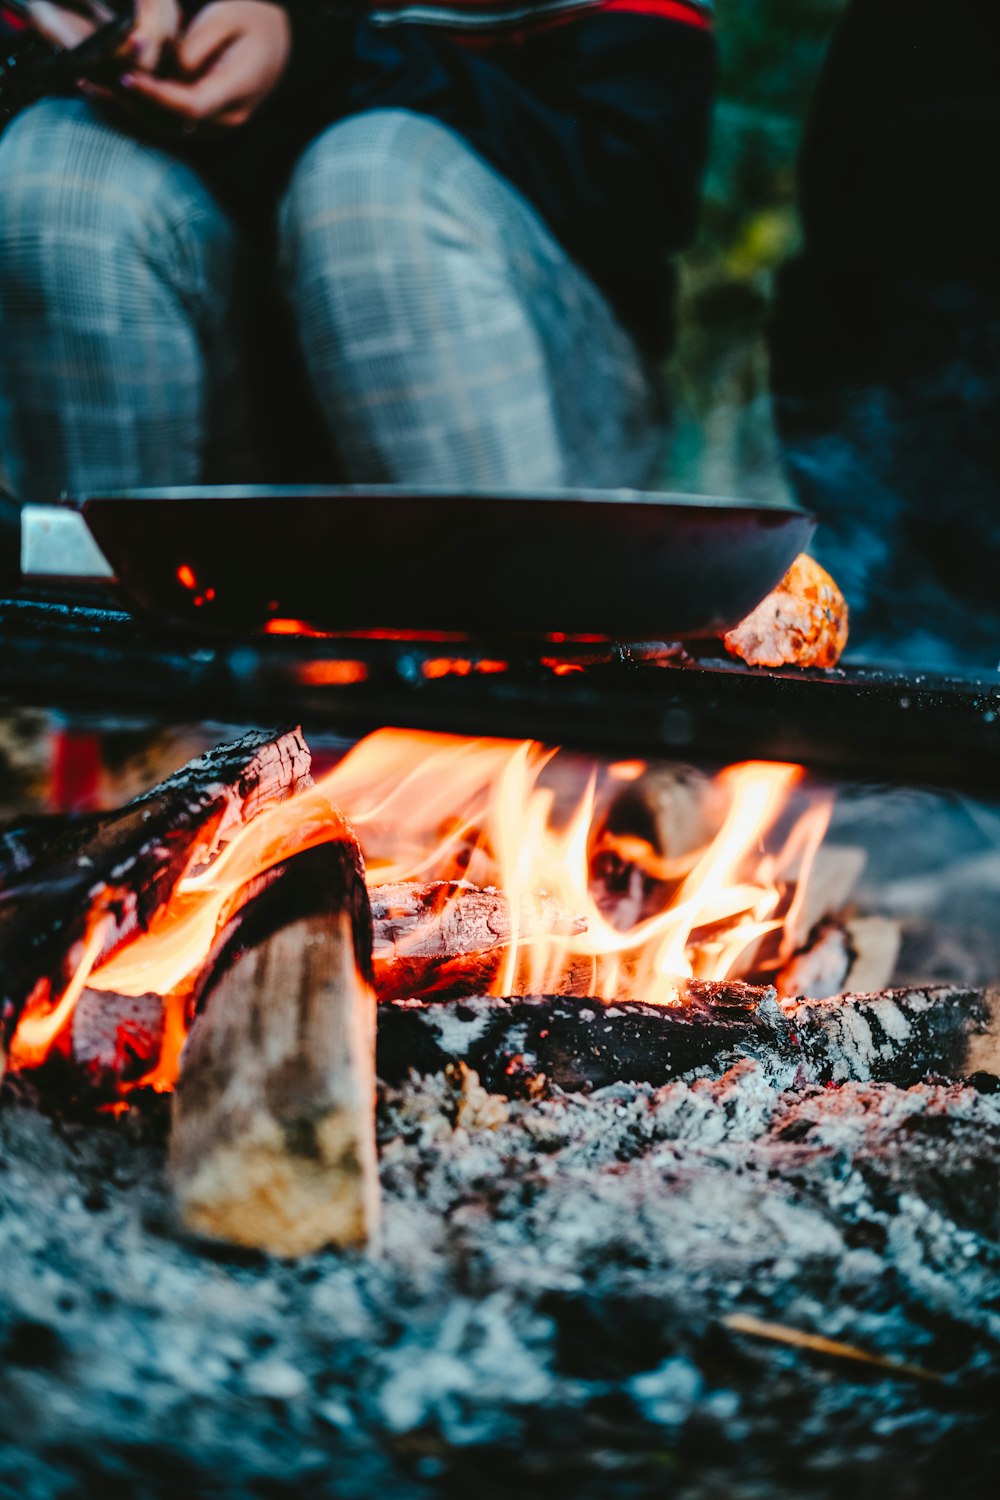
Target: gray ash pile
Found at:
594, 1295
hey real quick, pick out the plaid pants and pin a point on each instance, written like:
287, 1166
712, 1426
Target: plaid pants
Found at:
447, 337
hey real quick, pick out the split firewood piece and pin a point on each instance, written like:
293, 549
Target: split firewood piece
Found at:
648, 835
833, 874
857, 956
448, 937
104, 881
875, 943
273, 1142
674, 808
580, 1045
814, 947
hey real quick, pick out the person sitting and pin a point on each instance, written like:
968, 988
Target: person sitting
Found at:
468, 213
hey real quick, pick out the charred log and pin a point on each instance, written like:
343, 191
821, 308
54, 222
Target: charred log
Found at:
441, 940
578, 1044
581, 1045
121, 868
273, 1142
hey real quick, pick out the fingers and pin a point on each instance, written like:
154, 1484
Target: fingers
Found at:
106, 96
209, 34
157, 22
230, 59
202, 100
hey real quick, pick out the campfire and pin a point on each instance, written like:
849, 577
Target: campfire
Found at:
603, 1059
540, 920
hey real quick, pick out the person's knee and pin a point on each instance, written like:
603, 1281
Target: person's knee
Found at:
373, 190
83, 205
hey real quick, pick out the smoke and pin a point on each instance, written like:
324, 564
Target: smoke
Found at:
900, 458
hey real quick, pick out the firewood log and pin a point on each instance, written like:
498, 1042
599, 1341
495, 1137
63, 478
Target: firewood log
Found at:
875, 943
116, 1038
447, 938
647, 835
580, 1045
677, 808
125, 865
273, 1142
834, 873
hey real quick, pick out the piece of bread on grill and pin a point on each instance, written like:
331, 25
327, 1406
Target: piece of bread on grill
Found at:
801, 623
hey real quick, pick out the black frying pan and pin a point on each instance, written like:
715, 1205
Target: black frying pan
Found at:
624, 564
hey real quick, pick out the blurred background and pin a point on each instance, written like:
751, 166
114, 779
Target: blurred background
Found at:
770, 56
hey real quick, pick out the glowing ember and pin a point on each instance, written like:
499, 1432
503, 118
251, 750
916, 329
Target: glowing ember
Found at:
512, 815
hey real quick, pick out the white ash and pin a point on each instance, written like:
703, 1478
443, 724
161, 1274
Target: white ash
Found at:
544, 1315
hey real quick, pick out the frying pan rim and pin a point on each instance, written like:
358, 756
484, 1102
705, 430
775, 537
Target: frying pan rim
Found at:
662, 499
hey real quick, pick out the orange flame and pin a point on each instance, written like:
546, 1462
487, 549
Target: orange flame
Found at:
513, 815
41, 1023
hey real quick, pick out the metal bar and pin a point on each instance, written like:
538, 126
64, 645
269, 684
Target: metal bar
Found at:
647, 700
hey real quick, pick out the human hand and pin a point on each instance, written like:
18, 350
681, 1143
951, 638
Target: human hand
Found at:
156, 23
231, 57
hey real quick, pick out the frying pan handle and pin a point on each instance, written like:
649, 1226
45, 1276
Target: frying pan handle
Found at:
10, 539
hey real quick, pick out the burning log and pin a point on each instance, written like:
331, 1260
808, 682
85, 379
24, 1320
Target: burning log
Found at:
273, 1142
833, 873
116, 1038
448, 938
97, 885
649, 837
581, 1044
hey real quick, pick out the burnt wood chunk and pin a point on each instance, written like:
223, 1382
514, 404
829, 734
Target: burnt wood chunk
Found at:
273, 1142
121, 868
448, 937
579, 1045
116, 1039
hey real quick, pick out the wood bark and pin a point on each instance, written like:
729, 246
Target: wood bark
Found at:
273, 1142
899, 1036
123, 867
580, 1045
